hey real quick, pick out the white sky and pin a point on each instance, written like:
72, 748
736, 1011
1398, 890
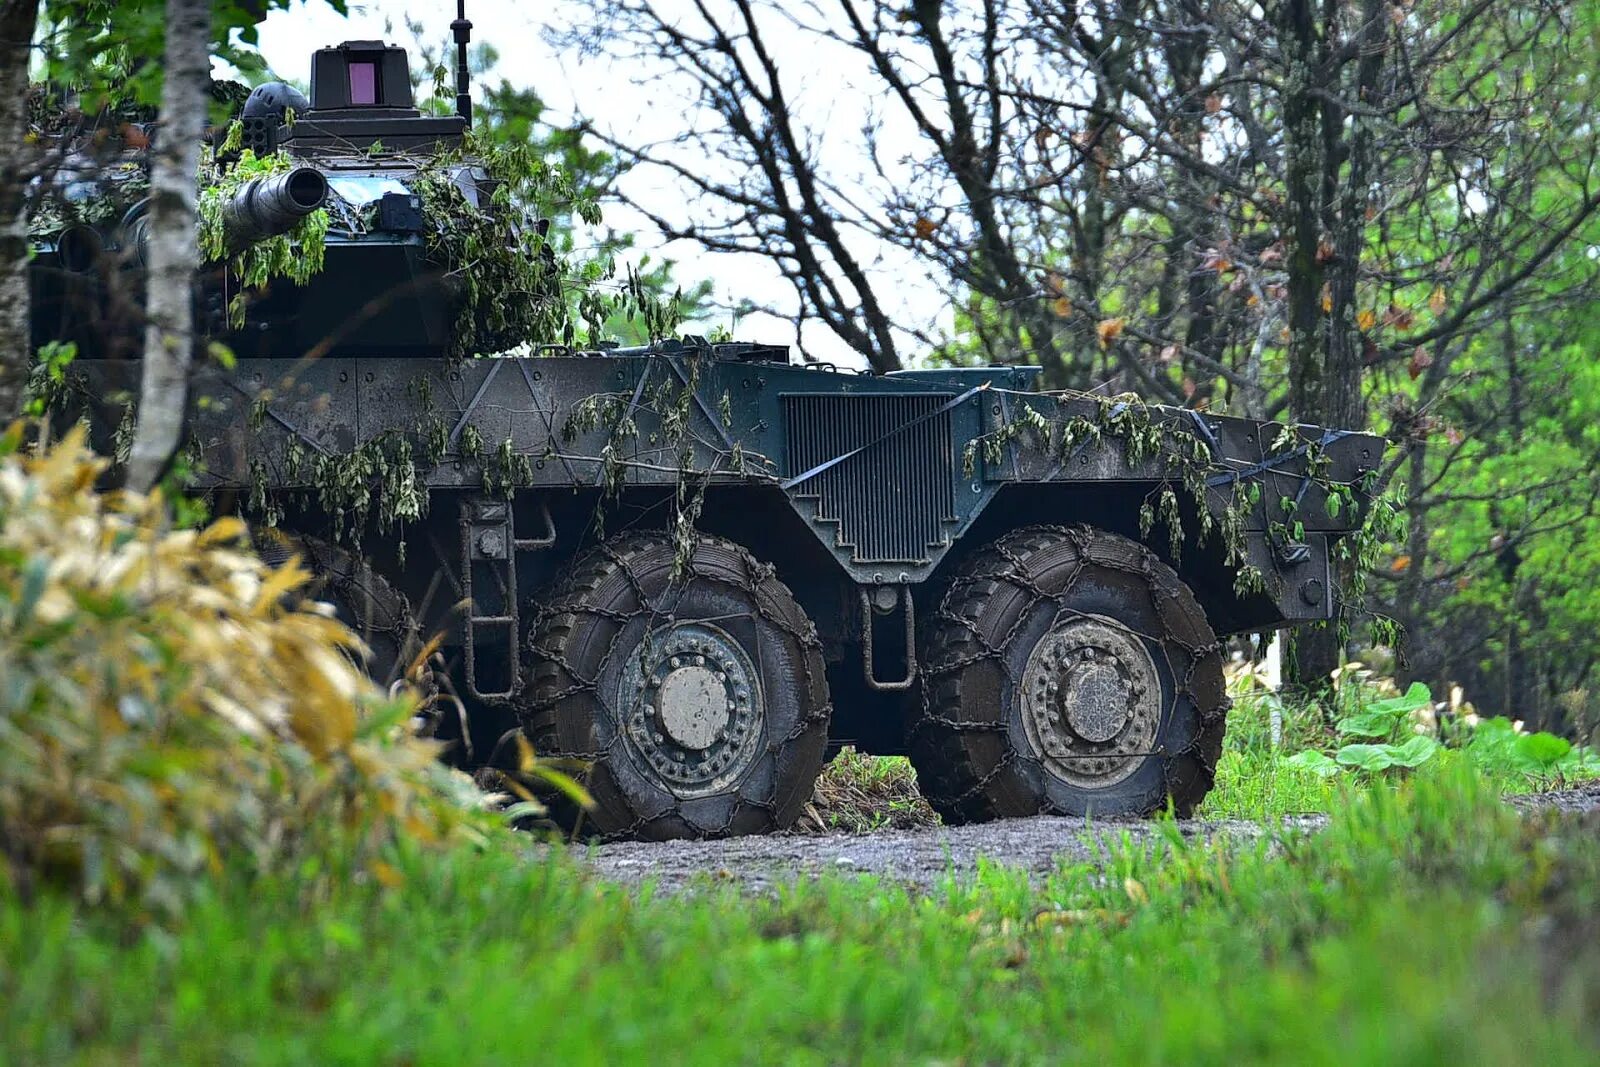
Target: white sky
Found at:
614, 101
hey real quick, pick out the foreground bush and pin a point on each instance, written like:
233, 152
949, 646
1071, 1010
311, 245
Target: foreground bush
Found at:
168, 708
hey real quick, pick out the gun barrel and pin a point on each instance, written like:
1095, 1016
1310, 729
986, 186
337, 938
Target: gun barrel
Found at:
272, 205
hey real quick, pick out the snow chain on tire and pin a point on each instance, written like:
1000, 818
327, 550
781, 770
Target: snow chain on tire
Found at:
619, 630
979, 752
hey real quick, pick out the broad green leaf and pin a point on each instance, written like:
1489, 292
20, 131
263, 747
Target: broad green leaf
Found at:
1542, 749
1382, 717
1412, 699
1414, 751
1368, 724
1367, 757
1317, 762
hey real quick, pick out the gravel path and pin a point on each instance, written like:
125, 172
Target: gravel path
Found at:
918, 857
1566, 801
923, 857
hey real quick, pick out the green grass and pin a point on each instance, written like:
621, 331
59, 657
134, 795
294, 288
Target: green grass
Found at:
1256, 780
858, 793
1259, 784
1425, 925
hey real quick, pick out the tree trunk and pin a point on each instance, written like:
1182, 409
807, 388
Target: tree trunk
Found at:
17, 21
1329, 236
1309, 650
1302, 137
174, 248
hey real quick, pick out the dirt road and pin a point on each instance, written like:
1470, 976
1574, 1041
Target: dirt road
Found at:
923, 857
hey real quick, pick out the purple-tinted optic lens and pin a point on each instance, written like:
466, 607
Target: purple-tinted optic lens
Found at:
363, 83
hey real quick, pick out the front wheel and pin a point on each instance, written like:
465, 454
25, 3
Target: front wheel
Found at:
695, 692
1067, 670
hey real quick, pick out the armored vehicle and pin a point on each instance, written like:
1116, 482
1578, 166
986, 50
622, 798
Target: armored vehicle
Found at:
700, 567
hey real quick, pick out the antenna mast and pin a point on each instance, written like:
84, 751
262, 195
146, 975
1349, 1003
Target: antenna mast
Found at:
462, 28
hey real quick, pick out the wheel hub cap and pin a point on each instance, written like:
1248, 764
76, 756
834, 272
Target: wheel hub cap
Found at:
693, 709
1097, 702
1091, 701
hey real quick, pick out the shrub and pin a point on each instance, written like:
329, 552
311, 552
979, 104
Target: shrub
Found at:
168, 707
1381, 729
858, 793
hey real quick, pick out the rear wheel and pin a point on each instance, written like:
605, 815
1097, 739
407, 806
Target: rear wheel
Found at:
699, 700
1067, 670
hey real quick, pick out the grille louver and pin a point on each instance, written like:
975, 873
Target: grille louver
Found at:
890, 504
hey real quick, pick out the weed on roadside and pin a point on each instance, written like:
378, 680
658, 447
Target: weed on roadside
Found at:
858, 793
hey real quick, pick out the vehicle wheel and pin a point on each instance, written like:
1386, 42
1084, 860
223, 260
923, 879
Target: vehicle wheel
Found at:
361, 597
699, 701
1067, 670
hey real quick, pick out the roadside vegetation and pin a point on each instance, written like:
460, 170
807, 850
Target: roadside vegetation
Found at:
172, 709
1427, 923
1285, 758
1281, 757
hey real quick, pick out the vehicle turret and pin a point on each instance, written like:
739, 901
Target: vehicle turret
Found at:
356, 147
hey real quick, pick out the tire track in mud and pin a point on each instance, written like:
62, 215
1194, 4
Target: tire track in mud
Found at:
924, 857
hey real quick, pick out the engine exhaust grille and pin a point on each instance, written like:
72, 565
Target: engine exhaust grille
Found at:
891, 502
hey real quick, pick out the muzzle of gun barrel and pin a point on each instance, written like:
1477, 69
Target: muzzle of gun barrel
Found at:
272, 205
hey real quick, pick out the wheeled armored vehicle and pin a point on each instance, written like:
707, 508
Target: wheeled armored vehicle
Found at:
700, 567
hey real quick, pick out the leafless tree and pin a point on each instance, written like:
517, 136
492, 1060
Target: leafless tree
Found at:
1294, 210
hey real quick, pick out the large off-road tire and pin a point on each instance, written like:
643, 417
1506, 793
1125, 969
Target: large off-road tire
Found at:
700, 704
1069, 671
361, 597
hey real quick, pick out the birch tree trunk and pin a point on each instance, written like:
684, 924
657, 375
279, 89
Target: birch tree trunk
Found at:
173, 255
17, 21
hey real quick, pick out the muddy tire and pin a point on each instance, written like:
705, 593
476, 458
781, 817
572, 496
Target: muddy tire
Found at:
1068, 671
700, 704
361, 597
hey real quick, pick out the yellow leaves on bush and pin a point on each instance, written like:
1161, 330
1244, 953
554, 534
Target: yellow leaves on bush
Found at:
169, 705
